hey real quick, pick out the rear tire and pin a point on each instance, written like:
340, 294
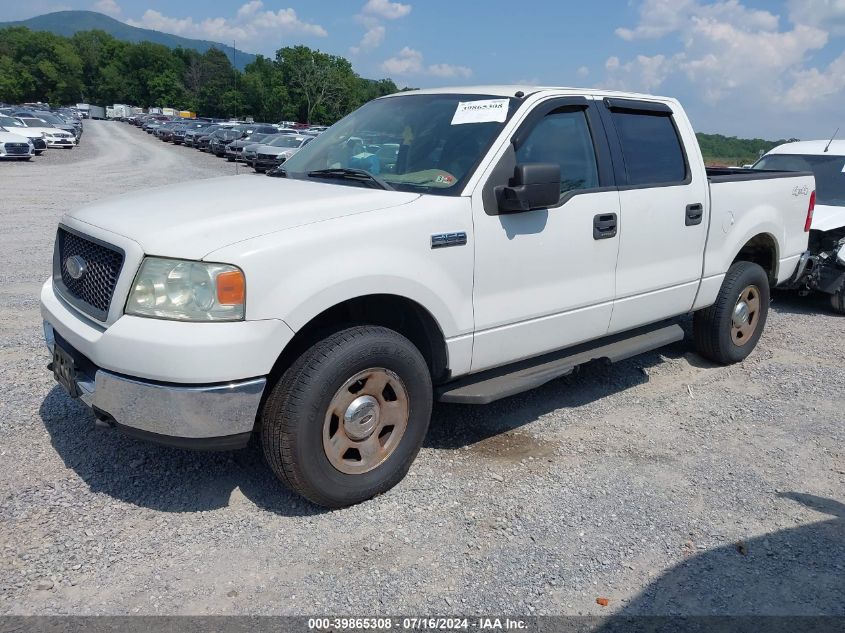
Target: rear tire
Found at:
346, 420
837, 301
728, 331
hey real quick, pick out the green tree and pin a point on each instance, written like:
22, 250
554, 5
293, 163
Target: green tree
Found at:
300, 83
217, 77
265, 94
320, 85
51, 62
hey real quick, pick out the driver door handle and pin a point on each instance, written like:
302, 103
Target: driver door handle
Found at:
695, 213
604, 226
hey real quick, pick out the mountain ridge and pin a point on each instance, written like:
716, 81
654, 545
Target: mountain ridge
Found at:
66, 23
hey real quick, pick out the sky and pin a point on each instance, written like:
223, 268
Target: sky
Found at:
743, 68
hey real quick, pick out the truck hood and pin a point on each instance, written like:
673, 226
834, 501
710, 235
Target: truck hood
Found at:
192, 219
827, 218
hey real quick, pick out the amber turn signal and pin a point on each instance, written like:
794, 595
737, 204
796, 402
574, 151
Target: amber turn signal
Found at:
231, 288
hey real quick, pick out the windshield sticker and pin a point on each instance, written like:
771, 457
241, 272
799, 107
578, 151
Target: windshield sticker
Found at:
484, 111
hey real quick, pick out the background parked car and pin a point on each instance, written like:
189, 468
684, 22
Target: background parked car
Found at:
191, 136
221, 138
278, 150
181, 131
54, 137
53, 120
235, 149
15, 146
16, 126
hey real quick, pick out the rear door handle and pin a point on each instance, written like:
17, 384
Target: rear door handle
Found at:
695, 213
604, 226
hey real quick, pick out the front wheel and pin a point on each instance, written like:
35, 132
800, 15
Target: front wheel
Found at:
346, 420
728, 331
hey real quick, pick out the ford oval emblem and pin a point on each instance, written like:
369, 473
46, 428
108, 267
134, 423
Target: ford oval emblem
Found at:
76, 266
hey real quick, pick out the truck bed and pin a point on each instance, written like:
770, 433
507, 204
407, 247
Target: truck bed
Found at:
763, 206
724, 174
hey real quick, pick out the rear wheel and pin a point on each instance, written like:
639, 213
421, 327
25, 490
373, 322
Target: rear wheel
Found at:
728, 331
346, 420
837, 300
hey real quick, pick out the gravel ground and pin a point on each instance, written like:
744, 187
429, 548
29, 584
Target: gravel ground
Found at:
664, 483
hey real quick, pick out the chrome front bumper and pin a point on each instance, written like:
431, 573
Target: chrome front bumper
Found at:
220, 416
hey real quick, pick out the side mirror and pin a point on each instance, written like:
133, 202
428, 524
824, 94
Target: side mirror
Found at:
533, 186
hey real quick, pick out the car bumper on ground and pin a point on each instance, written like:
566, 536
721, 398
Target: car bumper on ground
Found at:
61, 142
16, 151
159, 379
217, 416
264, 164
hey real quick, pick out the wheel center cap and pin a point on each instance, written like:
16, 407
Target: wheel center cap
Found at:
361, 417
740, 316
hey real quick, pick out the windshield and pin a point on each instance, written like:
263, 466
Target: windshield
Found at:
50, 118
35, 123
285, 140
255, 138
829, 171
431, 142
7, 121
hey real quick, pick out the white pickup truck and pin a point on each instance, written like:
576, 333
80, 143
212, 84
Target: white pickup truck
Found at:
461, 245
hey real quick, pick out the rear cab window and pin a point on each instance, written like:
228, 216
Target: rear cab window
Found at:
652, 151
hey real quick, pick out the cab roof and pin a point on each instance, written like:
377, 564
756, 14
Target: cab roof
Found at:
837, 148
508, 90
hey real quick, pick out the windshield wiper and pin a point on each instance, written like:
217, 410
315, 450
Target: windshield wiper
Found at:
277, 172
346, 173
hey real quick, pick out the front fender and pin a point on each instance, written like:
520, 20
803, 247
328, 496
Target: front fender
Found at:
298, 273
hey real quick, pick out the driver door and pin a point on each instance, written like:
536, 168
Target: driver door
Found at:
545, 279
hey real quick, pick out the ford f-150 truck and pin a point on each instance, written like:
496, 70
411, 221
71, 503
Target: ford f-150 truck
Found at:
459, 245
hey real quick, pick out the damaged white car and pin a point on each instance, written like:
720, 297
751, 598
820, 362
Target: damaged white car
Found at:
822, 268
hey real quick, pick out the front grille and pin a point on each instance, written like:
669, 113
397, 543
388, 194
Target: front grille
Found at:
267, 156
17, 149
92, 292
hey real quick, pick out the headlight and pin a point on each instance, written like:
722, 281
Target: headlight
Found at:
187, 291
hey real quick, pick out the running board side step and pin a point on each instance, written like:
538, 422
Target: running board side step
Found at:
501, 382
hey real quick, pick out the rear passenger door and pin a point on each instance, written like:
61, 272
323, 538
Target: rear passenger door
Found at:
664, 203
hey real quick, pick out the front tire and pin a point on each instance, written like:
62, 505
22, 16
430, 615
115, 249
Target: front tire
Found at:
346, 420
728, 331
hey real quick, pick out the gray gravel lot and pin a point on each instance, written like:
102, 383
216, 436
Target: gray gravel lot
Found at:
664, 483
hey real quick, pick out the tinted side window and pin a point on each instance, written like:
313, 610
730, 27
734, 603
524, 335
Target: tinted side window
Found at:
651, 148
563, 138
